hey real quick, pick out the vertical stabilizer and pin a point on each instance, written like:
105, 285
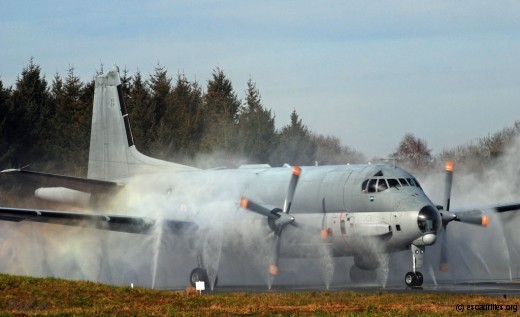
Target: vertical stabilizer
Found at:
112, 151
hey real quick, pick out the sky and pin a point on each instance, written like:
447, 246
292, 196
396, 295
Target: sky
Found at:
366, 72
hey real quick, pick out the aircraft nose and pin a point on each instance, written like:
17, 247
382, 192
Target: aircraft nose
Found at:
428, 219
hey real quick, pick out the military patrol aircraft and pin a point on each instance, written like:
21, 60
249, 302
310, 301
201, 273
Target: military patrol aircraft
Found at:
347, 210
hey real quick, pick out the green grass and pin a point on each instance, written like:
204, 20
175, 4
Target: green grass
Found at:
49, 296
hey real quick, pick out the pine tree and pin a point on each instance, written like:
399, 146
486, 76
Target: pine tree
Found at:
221, 108
140, 113
257, 133
160, 87
5, 106
296, 146
26, 124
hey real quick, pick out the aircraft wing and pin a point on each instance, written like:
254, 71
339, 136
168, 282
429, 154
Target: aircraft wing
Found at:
91, 220
86, 185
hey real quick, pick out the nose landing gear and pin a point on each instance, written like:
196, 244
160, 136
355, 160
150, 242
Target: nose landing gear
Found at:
415, 278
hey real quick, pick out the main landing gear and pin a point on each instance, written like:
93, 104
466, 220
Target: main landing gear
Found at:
415, 278
199, 274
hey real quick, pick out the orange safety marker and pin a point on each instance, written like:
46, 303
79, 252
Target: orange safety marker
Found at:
297, 171
273, 269
485, 221
324, 234
449, 166
244, 202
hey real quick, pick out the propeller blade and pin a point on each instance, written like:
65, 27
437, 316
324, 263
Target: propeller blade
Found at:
474, 220
260, 209
447, 217
296, 172
273, 266
508, 207
443, 265
447, 185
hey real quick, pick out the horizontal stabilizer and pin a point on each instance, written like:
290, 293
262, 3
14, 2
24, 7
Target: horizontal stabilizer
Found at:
85, 185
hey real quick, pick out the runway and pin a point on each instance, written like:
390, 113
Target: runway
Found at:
490, 288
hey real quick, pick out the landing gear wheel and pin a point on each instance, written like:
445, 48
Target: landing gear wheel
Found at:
199, 275
413, 279
419, 278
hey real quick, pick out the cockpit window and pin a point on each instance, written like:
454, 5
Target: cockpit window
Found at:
393, 182
372, 185
364, 185
381, 184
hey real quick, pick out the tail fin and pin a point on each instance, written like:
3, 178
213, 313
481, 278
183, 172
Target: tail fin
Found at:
112, 151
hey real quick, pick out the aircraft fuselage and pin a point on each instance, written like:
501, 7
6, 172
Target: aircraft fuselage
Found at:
352, 209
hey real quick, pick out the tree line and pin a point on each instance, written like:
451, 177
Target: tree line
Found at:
47, 125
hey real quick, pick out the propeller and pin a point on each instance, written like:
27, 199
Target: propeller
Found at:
473, 217
277, 218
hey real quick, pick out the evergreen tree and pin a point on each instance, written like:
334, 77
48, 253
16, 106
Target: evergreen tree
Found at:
27, 124
296, 146
71, 124
257, 133
140, 113
181, 126
5, 147
160, 87
220, 116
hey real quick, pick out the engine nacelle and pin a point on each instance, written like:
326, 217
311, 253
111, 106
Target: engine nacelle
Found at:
63, 195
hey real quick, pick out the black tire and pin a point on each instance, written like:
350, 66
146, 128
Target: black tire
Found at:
411, 279
199, 275
419, 278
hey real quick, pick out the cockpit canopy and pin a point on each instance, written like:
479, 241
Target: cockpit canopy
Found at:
379, 184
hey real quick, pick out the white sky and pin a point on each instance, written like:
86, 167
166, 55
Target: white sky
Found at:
365, 71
